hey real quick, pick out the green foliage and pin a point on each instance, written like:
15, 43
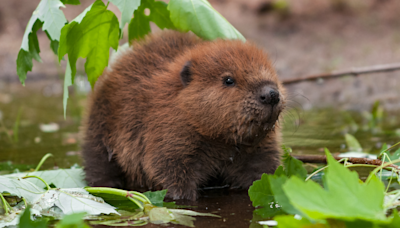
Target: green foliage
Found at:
156, 198
199, 17
48, 15
267, 192
73, 221
96, 30
341, 185
343, 201
25, 221
91, 38
140, 23
127, 7
292, 165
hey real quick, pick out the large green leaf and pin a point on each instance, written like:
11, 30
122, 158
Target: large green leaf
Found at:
48, 15
202, 19
139, 26
127, 7
344, 197
91, 38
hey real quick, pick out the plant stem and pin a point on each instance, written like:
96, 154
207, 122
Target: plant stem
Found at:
142, 195
132, 196
5, 203
384, 165
398, 143
44, 158
44, 182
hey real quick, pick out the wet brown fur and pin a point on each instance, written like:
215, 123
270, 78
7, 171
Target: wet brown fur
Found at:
147, 130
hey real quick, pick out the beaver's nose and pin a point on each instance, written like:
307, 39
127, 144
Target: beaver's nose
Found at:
269, 96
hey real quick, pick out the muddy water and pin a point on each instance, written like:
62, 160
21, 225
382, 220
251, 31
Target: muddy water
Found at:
42, 129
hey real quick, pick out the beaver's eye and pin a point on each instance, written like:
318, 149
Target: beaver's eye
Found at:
229, 81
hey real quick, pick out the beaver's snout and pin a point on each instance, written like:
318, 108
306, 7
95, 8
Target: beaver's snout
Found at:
269, 96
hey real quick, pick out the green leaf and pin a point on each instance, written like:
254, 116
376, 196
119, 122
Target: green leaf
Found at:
344, 197
156, 198
62, 178
29, 49
48, 11
73, 221
352, 143
21, 188
48, 15
139, 25
127, 7
261, 196
25, 221
292, 165
288, 221
199, 17
71, 2
67, 83
159, 13
91, 38
276, 183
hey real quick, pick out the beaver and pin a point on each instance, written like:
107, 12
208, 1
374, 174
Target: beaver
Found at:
175, 111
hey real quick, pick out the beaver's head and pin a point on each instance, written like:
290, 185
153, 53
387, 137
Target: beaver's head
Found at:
231, 92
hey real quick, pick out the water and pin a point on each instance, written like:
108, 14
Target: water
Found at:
307, 132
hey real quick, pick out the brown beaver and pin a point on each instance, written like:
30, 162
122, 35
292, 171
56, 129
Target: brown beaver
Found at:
175, 111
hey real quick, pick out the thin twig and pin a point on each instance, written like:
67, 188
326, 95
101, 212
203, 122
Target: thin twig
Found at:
322, 159
353, 71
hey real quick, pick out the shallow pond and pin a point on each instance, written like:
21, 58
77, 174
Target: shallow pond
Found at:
32, 124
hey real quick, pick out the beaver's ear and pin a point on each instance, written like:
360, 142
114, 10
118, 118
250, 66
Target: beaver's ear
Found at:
186, 74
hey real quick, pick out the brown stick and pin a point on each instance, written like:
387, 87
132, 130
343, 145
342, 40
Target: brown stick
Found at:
322, 159
354, 71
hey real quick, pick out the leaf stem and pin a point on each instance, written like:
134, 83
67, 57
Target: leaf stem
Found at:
5, 203
398, 143
44, 158
44, 182
380, 168
131, 195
